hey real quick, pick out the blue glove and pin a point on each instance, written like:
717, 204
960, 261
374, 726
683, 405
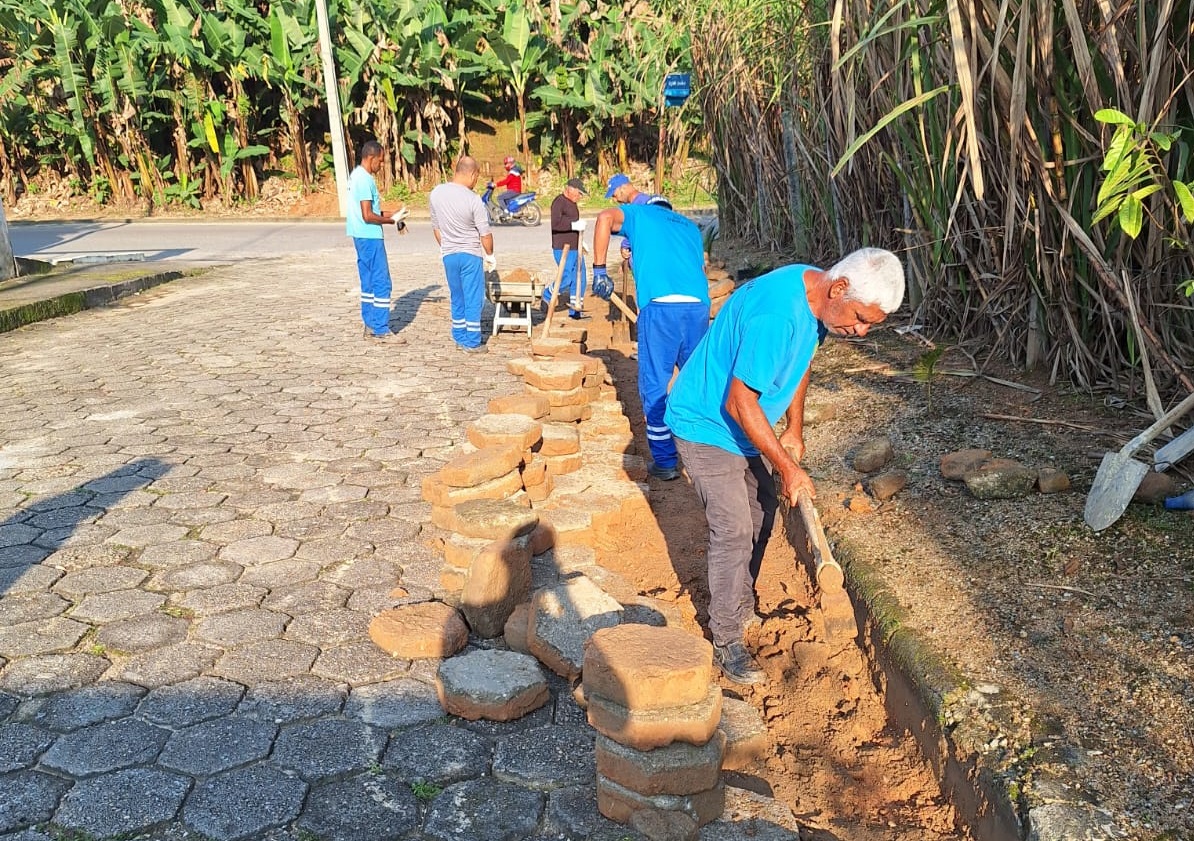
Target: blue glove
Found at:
603, 287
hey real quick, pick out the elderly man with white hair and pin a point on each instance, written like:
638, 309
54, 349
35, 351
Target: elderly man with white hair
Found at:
751, 368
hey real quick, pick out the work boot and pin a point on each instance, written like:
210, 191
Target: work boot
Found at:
737, 664
667, 474
387, 338
477, 349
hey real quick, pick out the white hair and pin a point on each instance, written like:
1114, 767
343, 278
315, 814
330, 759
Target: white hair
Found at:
876, 277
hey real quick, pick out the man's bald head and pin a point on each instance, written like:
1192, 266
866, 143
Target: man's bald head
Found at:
467, 171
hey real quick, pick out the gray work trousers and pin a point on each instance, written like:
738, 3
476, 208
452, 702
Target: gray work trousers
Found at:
740, 501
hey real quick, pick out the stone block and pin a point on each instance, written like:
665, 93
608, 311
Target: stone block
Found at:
559, 439
562, 620
539, 493
554, 375
552, 347
1000, 478
592, 381
498, 579
557, 398
496, 519
437, 492
414, 631
570, 414
500, 430
543, 537
518, 364
534, 471
573, 526
519, 404
471, 469
620, 804
678, 768
561, 465
516, 628
957, 464
492, 685
459, 550
874, 454
645, 668
1052, 481
746, 734
647, 729
451, 584
592, 364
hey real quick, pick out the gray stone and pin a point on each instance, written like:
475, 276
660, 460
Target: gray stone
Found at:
21, 745
218, 745
28, 835
438, 753
28, 798
258, 550
221, 598
746, 829
7, 705
100, 608
396, 703
359, 663
45, 636
281, 574
109, 746
18, 534
497, 685
104, 579
17, 609
367, 807
328, 747
234, 531
1000, 478
494, 729
562, 620
241, 626
177, 553
572, 811
567, 711
326, 628
27, 579
1064, 821
190, 702
85, 557
304, 598
332, 550
241, 803
551, 757
142, 633
49, 673
363, 572
268, 660
296, 699
172, 664
23, 556
196, 575
142, 536
483, 810
67, 711
873, 455
122, 803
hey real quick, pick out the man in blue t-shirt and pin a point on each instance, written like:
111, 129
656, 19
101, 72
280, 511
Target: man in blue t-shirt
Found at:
673, 306
364, 225
751, 369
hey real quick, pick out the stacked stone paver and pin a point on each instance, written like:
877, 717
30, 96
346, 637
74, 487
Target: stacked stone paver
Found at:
203, 505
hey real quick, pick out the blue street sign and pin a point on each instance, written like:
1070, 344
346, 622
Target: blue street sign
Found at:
676, 88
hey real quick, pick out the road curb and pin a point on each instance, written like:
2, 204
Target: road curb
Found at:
69, 303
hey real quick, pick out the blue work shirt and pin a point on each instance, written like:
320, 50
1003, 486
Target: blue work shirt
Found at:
362, 187
670, 256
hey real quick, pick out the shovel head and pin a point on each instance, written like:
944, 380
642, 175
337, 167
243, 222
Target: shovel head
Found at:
1114, 486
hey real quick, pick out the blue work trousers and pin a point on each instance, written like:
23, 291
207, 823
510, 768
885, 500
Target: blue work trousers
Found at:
466, 289
667, 335
376, 285
568, 283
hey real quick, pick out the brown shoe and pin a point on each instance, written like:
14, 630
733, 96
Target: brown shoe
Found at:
388, 339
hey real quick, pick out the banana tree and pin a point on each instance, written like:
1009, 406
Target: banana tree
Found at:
520, 55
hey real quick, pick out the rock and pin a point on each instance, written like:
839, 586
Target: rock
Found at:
471, 469
519, 404
1154, 488
815, 413
559, 439
499, 430
860, 503
534, 471
648, 729
1052, 481
414, 631
873, 455
554, 375
498, 579
543, 538
657, 824
459, 550
516, 366
645, 667
570, 414
562, 620
516, 627
440, 494
956, 465
573, 526
495, 519
552, 347
494, 685
563, 465
620, 804
483, 809
592, 364
546, 758
746, 734
1000, 478
678, 768
887, 484
570, 397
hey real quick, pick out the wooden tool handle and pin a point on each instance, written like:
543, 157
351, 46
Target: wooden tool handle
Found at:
827, 570
620, 304
1155, 430
555, 293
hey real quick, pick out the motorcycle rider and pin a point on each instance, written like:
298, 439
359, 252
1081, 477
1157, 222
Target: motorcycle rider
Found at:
512, 182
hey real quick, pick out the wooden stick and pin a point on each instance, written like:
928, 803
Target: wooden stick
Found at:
620, 304
555, 293
1062, 588
828, 571
1045, 422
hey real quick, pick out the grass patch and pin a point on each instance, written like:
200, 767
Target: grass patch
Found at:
425, 792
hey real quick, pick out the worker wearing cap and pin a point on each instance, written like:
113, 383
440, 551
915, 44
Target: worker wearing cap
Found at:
567, 228
672, 293
624, 192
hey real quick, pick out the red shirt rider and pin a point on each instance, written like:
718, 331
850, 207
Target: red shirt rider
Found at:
512, 182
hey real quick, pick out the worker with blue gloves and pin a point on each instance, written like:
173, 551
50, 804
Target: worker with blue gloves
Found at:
672, 293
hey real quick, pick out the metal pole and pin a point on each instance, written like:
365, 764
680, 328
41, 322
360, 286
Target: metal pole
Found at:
332, 94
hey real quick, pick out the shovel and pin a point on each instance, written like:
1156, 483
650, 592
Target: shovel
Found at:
1120, 475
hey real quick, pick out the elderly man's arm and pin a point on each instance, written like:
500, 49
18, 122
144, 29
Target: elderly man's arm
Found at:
742, 403
792, 438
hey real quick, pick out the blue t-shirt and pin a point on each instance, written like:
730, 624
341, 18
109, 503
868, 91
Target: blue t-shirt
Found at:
362, 187
765, 335
670, 256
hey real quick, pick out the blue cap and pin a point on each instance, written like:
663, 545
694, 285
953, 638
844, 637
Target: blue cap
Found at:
626, 244
614, 183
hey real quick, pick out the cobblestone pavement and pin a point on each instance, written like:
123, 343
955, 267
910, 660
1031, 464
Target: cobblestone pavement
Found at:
206, 492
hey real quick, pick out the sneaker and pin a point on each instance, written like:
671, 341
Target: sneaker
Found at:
667, 474
477, 349
387, 338
737, 664
576, 316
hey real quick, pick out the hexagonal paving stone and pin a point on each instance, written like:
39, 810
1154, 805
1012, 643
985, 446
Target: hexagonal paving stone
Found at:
190, 702
141, 536
45, 636
115, 484
105, 579
281, 574
101, 608
241, 803
17, 534
28, 579
548, 758
358, 663
332, 550
394, 704
236, 530
172, 664
328, 747
49, 673
294, 699
28, 798
21, 744
88, 534
177, 553
573, 811
87, 705
438, 753
222, 598
267, 661
483, 810
106, 747
195, 575
304, 598
219, 745
367, 807
259, 550
326, 628
334, 493
122, 803
143, 633
241, 626
193, 499
364, 572
23, 556
64, 517
384, 530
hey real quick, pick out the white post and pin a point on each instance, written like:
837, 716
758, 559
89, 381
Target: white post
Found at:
8, 264
332, 94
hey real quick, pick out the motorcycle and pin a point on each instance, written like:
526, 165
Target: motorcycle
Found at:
522, 208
